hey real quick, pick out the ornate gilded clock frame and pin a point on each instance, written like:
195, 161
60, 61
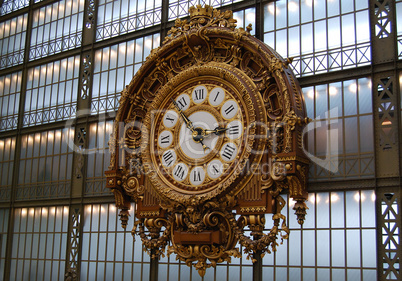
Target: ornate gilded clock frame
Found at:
202, 228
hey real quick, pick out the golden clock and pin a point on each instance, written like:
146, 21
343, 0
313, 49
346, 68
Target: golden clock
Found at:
202, 127
210, 132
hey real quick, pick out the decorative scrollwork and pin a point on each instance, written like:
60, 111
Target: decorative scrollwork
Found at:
154, 243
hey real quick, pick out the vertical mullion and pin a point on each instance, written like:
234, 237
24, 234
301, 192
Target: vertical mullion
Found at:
356, 81
315, 236
61, 239
39, 239
25, 242
330, 234
18, 233
46, 240
116, 219
53, 232
98, 232
361, 233
343, 129
345, 239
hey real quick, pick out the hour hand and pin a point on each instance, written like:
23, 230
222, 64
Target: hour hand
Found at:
185, 118
217, 131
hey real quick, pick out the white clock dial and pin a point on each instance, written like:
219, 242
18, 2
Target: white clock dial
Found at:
197, 175
183, 101
165, 139
180, 171
169, 158
229, 109
170, 119
215, 169
216, 96
228, 152
199, 94
191, 148
235, 129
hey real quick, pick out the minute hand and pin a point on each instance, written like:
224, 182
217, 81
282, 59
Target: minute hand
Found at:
185, 118
216, 131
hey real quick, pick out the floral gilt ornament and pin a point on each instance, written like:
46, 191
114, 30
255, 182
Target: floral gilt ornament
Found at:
208, 135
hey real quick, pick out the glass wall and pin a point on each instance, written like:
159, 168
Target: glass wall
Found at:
56, 28
7, 151
335, 242
12, 41
3, 238
8, 6
322, 36
121, 17
10, 90
115, 67
179, 8
244, 18
108, 251
39, 243
51, 93
329, 247
98, 158
340, 137
45, 166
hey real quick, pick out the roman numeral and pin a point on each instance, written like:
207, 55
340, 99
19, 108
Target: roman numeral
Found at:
182, 102
197, 176
165, 139
234, 130
199, 94
228, 152
229, 109
168, 158
215, 170
179, 172
170, 118
217, 94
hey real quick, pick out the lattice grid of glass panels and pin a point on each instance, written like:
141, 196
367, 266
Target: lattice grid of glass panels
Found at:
335, 242
322, 36
4, 213
108, 251
244, 18
98, 158
10, 89
115, 67
46, 161
51, 93
9, 6
57, 28
12, 41
39, 243
340, 137
120, 17
7, 150
179, 8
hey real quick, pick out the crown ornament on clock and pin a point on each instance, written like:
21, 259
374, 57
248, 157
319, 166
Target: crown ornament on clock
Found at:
200, 11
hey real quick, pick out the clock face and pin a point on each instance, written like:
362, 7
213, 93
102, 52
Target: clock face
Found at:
197, 136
